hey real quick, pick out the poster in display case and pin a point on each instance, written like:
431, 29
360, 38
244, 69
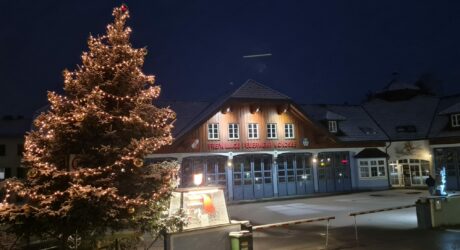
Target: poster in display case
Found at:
203, 206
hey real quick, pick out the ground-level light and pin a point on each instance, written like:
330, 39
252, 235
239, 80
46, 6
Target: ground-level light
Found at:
197, 179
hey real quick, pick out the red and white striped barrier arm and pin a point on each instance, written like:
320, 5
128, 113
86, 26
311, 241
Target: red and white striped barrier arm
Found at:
380, 210
292, 222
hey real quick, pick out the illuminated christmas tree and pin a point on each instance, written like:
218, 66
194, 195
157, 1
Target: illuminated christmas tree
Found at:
86, 153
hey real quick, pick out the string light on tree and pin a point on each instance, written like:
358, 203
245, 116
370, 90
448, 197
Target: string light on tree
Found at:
107, 119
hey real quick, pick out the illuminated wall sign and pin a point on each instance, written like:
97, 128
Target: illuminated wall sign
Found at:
252, 145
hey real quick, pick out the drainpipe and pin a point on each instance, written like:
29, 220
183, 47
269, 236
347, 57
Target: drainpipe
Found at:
386, 148
388, 164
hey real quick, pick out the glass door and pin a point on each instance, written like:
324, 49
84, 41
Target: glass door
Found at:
406, 175
267, 176
395, 174
415, 172
258, 178
248, 186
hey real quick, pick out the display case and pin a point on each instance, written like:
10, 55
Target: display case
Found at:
203, 206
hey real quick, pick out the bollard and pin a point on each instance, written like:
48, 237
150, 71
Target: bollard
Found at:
241, 240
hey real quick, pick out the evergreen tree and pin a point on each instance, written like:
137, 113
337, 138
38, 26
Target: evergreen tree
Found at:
86, 153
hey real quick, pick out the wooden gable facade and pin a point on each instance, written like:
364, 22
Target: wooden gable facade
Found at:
306, 134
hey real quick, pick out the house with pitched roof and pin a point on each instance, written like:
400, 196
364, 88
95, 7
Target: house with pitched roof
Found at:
444, 140
12, 131
406, 117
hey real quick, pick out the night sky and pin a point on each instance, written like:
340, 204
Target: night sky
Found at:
322, 51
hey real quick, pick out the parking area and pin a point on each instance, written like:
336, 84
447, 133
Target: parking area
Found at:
395, 229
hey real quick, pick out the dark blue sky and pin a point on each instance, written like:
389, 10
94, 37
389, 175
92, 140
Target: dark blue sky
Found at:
323, 51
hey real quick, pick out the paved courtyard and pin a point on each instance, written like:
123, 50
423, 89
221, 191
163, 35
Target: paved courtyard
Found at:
395, 229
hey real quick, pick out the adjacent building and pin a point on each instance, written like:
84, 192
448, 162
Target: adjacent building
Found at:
12, 131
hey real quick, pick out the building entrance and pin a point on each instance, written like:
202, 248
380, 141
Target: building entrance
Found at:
409, 172
334, 172
295, 174
212, 168
252, 177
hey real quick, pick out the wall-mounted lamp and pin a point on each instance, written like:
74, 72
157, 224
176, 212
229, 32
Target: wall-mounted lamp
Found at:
230, 160
282, 109
254, 109
226, 110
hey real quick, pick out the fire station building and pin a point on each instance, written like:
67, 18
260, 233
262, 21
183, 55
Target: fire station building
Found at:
258, 143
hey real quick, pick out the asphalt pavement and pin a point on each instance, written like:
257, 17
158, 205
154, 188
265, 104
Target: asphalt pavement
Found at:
396, 229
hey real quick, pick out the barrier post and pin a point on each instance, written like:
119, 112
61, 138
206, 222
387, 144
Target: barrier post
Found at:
327, 232
295, 222
356, 230
354, 214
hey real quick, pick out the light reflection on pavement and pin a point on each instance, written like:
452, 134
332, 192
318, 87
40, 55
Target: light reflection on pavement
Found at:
385, 230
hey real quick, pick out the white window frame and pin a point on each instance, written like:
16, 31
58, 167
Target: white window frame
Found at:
289, 132
271, 131
2, 173
376, 164
233, 131
455, 120
213, 131
253, 131
332, 125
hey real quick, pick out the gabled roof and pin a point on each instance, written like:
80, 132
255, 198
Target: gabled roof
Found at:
321, 113
196, 112
396, 85
331, 116
371, 153
451, 109
15, 127
186, 112
441, 119
394, 116
254, 90
357, 125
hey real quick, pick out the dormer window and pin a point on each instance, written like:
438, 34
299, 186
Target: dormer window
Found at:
332, 126
455, 120
368, 130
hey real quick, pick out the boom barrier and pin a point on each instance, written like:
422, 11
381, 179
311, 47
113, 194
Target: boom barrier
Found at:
354, 214
296, 222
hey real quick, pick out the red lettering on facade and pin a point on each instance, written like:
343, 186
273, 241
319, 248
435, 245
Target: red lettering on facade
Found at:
222, 146
252, 145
